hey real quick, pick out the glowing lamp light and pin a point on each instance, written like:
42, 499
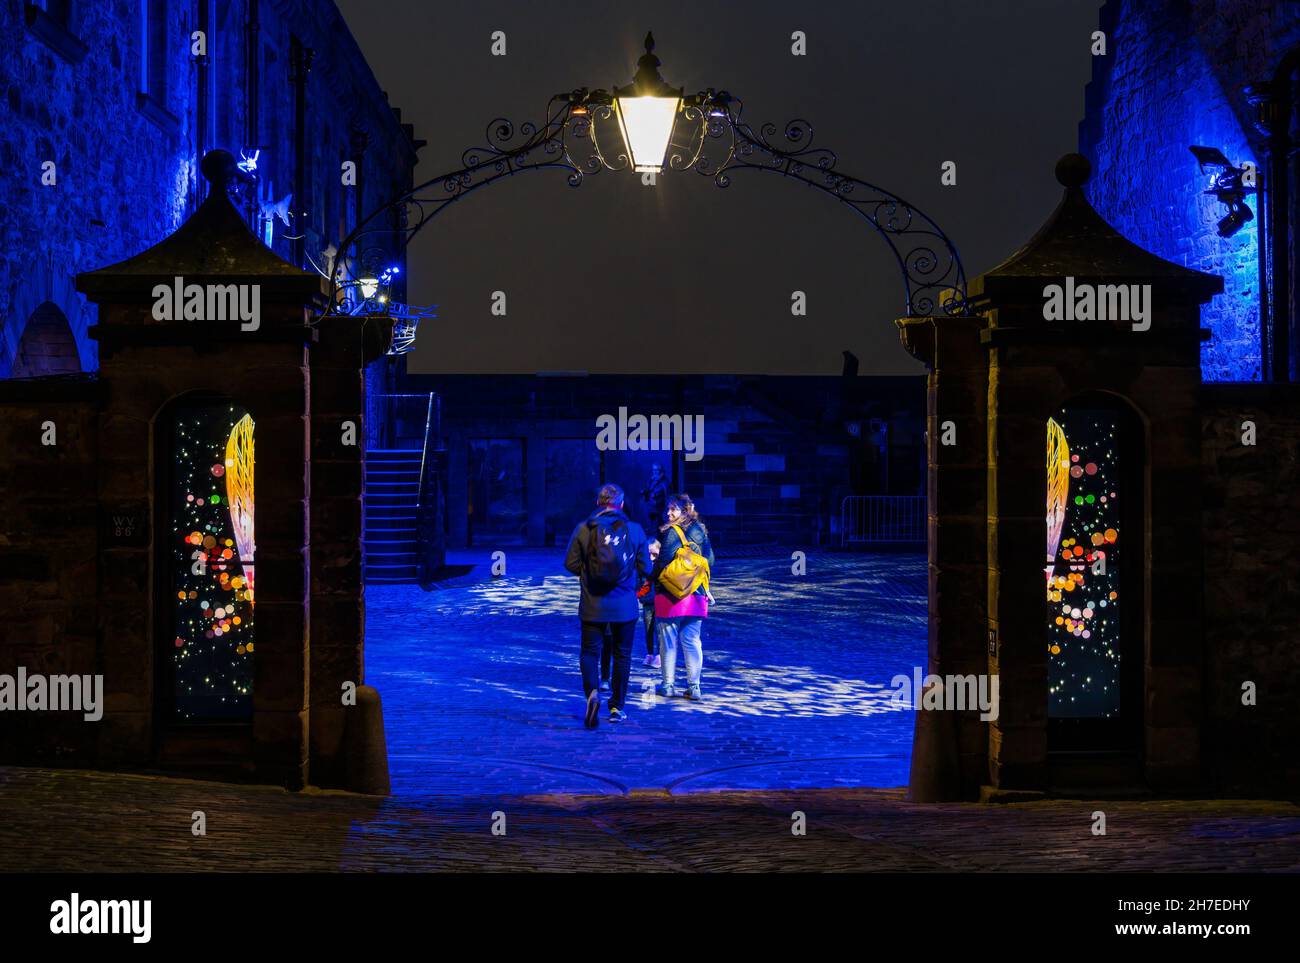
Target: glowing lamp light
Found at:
647, 126
369, 287
647, 111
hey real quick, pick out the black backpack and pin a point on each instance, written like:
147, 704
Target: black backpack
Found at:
609, 553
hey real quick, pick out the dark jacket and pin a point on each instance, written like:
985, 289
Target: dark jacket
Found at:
655, 496
669, 543
621, 604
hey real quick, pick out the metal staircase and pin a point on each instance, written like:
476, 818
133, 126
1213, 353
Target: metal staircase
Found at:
402, 542
392, 497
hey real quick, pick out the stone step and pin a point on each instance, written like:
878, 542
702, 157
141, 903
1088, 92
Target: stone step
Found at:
392, 488
391, 513
391, 500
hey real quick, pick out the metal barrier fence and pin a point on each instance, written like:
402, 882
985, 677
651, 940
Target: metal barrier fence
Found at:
877, 519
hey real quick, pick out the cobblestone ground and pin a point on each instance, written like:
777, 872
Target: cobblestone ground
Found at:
482, 694
481, 708
67, 820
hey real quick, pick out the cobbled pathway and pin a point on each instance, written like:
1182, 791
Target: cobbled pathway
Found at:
482, 694
75, 821
481, 703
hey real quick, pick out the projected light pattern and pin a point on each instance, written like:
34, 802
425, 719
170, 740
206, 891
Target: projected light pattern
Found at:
797, 668
1058, 486
239, 493
1083, 624
211, 532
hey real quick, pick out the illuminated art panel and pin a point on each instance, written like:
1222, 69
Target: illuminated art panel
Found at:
1083, 565
212, 566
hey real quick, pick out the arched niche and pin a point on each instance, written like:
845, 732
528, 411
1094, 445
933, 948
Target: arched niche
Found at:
205, 627
1096, 573
47, 346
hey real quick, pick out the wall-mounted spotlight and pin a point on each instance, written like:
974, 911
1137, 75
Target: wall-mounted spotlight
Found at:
1230, 185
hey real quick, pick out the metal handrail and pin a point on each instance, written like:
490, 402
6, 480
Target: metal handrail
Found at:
427, 502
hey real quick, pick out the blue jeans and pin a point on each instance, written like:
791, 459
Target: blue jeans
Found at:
684, 632
648, 617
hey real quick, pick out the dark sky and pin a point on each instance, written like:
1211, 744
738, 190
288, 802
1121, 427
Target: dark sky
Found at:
619, 277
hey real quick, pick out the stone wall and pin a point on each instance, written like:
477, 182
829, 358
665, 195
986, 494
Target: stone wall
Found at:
777, 457
127, 170
49, 521
120, 175
1172, 77
1252, 586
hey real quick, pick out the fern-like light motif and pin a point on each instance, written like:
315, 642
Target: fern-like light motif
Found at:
239, 494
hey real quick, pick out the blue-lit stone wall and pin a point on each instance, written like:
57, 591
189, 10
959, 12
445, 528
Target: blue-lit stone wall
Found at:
1172, 77
127, 170
120, 177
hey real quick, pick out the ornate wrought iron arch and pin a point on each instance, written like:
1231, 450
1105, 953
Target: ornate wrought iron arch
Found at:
716, 143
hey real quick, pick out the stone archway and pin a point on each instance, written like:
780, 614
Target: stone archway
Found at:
47, 346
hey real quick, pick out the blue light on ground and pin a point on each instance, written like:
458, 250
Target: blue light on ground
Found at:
482, 695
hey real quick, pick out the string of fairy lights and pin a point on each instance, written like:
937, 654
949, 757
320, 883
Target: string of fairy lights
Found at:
213, 574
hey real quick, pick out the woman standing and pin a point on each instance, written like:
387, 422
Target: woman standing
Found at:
679, 623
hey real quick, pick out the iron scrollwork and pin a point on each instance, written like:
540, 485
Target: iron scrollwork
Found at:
933, 275
710, 138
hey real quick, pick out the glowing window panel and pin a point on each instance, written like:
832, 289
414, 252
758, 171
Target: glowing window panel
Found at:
212, 563
1083, 564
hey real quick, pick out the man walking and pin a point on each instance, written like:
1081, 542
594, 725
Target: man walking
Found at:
608, 553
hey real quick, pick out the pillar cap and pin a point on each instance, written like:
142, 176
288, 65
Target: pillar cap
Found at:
213, 246
1078, 242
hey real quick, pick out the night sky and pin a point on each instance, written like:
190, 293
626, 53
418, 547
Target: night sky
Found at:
685, 277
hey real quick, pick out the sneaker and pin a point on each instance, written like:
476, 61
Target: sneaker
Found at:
666, 691
693, 693
656, 664
649, 659
604, 685
617, 715
593, 710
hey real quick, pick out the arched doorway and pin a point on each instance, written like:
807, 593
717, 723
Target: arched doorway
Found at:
1095, 574
205, 547
47, 346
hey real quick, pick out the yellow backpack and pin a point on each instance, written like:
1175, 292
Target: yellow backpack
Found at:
686, 572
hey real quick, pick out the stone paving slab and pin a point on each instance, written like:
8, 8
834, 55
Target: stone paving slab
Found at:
482, 694
80, 821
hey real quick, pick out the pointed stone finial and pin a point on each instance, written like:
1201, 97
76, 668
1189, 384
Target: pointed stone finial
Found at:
1073, 171
218, 167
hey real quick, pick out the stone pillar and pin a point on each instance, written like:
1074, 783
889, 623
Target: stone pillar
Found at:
1146, 361
262, 366
995, 380
1017, 533
949, 754
337, 593
280, 709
